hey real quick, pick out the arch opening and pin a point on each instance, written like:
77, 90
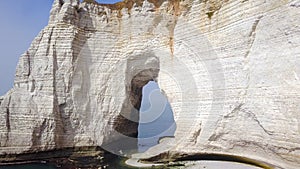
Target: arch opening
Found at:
133, 121
156, 118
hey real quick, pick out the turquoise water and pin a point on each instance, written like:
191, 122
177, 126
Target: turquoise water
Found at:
29, 166
115, 163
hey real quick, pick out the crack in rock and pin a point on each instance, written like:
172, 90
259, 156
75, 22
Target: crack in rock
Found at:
252, 35
254, 117
8, 126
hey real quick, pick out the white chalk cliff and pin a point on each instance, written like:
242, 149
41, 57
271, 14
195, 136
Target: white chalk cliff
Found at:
229, 68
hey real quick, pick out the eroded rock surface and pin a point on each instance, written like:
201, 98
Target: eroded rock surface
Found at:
230, 70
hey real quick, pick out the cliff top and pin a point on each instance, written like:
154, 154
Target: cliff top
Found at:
129, 4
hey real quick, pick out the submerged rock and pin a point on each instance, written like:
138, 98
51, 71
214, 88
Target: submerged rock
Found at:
230, 70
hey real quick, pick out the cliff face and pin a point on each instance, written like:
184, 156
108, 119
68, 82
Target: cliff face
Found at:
230, 70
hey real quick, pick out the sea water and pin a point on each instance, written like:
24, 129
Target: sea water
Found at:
29, 166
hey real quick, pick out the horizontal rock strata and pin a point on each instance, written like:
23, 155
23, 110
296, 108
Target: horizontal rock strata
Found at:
230, 70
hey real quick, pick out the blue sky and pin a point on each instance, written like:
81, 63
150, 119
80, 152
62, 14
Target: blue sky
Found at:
21, 21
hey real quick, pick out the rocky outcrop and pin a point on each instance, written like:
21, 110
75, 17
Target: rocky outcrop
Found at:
1, 99
230, 70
